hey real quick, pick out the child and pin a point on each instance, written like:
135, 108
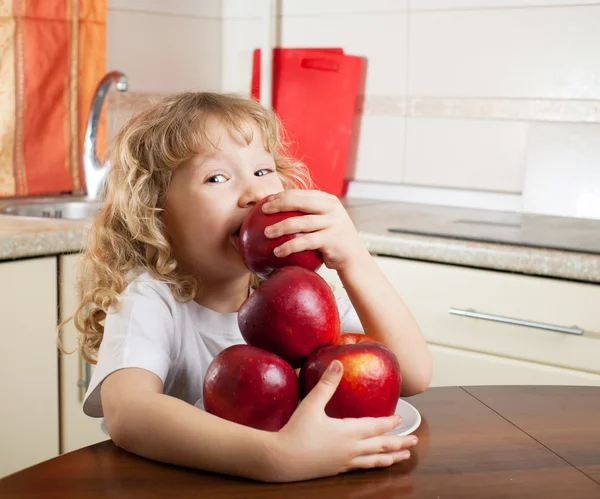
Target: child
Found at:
162, 279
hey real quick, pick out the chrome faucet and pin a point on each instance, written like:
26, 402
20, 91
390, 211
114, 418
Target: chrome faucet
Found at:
94, 171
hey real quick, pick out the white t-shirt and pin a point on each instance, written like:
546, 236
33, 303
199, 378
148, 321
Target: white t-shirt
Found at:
176, 341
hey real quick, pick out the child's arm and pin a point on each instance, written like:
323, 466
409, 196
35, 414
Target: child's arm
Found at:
385, 317
142, 420
380, 309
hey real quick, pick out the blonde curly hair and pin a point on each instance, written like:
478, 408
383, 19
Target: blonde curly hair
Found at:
128, 235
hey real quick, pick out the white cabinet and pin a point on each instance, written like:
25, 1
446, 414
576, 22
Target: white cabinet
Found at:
468, 351
29, 363
77, 429
432, 289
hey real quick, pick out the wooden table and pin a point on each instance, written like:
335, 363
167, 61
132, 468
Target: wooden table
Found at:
493, 442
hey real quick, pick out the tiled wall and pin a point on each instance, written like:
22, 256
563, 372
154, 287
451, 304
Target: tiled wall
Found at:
512, 89
162, 47
484, 103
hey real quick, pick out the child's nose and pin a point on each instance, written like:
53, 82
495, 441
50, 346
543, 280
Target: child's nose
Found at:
252, 194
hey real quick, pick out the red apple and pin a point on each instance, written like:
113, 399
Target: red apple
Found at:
256, 249
252, 387
370, 385
291, 314
352, 339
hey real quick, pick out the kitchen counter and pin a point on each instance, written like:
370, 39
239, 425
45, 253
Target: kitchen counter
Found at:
23, 237
474, 442
529, 244
547, 246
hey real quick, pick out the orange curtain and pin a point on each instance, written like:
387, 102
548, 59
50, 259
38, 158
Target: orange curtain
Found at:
52, 55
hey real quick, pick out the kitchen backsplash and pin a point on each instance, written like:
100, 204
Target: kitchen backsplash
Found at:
480, 103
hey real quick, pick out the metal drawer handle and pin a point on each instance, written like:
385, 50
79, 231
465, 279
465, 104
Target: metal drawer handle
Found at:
519, 322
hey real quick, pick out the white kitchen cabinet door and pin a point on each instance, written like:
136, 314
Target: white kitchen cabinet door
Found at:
456, 367
77, 429
29, 366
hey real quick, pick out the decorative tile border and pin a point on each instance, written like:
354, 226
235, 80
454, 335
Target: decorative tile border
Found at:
382, 105
130, 101
552, 110
558, 110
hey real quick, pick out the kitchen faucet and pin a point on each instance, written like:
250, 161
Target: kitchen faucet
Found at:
94, 171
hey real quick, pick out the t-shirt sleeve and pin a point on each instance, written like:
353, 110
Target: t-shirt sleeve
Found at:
349, 321
138, 334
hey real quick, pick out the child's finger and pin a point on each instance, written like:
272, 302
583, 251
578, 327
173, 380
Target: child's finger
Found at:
385, 444
326, 387
293, 225
301, 243
366, 427
379, 460
311, 202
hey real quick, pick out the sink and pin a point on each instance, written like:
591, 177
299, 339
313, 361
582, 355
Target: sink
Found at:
74, 210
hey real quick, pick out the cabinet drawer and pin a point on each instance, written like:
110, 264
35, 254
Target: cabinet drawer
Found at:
431, 289
454, 367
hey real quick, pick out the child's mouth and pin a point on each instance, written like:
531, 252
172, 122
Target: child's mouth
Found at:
235, 238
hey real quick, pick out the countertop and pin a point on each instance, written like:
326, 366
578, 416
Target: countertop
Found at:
432, 233
474, 442
531, 244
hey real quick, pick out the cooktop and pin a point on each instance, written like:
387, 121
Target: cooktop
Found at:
537, 231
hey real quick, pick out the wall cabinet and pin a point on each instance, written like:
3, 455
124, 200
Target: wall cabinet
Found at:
29, 418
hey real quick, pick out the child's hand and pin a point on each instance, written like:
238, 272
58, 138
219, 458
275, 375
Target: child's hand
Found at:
314, 445
326, 227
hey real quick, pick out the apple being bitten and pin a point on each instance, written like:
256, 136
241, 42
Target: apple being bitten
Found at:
370, 384
291, 314
252, 387
256, 249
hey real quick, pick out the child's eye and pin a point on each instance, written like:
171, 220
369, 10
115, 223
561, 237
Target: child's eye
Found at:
216, 179
263, 171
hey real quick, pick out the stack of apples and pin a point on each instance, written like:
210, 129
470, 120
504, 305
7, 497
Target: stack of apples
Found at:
292, 321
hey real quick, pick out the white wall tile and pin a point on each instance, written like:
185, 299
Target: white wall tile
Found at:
317, 7
381, 38
563, 170
439, 196
468, 154
242, 9
195, 8
239, 38
380, 152
115, 119
252, 8
485, 4
164, 53
535, 53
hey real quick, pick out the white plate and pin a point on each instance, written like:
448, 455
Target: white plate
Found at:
411, 419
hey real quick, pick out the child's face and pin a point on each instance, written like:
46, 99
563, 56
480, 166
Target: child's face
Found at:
209, 197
